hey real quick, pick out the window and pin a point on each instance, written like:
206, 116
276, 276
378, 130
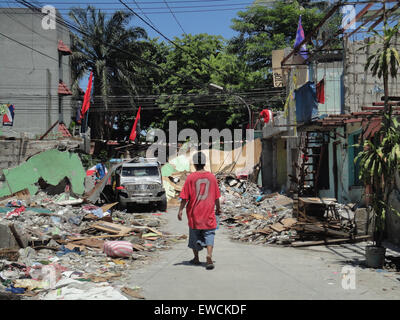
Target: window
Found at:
139, 171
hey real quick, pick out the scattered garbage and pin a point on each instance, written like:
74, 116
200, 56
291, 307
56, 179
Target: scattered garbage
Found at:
59, 246
257, 216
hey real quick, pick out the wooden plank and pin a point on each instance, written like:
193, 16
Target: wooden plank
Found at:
316, 228
92, 243
278, 227
138, 247
97, 237
111, 227
330, 241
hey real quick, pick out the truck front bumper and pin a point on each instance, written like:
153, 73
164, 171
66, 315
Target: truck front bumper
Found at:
140, 199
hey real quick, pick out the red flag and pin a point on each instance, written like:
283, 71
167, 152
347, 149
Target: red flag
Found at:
321, 91
133, 132
86, 99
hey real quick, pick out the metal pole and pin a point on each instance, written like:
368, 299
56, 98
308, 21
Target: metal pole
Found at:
247, 106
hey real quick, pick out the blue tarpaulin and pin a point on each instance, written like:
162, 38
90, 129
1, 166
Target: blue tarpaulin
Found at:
306, 102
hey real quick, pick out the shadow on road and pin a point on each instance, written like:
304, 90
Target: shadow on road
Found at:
188, 263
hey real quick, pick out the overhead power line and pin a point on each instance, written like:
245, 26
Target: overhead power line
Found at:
166, 3
73, 27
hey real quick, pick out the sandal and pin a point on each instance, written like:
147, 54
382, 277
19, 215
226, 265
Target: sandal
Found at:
209, 265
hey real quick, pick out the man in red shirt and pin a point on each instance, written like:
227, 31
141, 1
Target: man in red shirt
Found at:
201, 194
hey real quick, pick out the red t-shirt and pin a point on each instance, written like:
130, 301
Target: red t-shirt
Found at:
201, 190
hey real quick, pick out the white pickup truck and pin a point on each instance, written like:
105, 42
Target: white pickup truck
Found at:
139, 181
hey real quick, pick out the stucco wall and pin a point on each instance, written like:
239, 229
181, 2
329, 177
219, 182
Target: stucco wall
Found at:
29, 78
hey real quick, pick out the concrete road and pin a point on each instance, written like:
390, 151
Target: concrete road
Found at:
257, 272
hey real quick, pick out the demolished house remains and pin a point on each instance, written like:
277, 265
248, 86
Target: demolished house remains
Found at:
57, 244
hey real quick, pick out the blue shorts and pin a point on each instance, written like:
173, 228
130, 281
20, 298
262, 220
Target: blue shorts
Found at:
198, 239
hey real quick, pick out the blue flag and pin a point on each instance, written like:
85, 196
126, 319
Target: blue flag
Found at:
299, 38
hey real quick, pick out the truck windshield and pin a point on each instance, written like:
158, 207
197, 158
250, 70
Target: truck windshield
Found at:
139, 171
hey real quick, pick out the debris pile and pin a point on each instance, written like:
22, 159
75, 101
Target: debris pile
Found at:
57, 245
272, 218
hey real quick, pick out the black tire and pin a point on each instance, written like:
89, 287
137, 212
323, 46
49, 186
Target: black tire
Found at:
162, 205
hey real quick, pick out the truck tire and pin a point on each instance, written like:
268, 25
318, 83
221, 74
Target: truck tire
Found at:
162, 205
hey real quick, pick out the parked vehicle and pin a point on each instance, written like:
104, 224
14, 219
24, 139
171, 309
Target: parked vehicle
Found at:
139, 181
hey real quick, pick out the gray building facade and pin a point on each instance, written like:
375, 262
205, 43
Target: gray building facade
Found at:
35, 72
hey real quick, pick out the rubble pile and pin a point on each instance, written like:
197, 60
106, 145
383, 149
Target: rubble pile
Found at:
58, 252
253, 216
270, 218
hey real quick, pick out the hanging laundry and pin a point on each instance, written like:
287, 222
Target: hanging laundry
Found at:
306, 102
321, 91
8, 117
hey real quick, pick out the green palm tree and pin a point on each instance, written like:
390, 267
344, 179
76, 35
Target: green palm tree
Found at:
380, 158
385, 61
98, 48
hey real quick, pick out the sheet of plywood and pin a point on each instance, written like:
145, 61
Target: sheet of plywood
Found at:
111, 227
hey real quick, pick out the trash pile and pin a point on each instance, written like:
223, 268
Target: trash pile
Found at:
60, 247
270, 218
253, 216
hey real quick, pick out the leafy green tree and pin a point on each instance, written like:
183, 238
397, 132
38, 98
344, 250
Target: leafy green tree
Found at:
99, 48
262, 29
184, 93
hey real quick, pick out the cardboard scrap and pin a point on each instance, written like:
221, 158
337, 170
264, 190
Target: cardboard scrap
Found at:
107, 207
288, 222
103, 278
259, 216
30, 284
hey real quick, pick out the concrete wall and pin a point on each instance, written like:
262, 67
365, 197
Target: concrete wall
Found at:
14, 152
30, 72
360, 87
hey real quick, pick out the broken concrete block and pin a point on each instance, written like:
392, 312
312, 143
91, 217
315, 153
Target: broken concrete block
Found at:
52, 166
7, 239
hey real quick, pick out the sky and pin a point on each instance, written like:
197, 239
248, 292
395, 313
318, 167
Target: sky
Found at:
188, 16
172, 18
